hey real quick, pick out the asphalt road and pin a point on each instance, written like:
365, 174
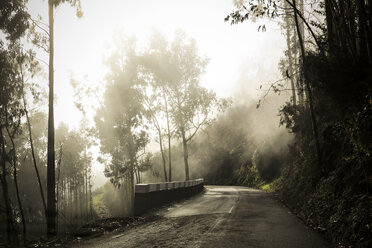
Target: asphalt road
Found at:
220, 217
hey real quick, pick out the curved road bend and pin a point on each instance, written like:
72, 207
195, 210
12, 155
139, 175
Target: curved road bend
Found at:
224, 216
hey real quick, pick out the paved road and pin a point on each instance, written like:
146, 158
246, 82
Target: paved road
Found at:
220, 217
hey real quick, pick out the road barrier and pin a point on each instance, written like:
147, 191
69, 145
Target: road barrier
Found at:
152, 195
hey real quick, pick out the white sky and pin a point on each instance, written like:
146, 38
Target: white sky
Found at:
241, 57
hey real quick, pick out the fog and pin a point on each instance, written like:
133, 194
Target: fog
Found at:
241, 58
243, 135
133, 73
99, 98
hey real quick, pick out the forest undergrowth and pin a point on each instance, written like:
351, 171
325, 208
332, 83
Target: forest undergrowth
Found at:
334, 196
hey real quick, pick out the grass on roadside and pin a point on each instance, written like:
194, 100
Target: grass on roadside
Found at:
267, 187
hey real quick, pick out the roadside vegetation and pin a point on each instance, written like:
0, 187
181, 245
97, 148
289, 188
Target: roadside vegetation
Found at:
327, 174
316, 157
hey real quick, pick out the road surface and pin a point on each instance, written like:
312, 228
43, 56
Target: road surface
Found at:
223, 216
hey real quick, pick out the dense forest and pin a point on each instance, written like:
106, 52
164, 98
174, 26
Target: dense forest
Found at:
155, 122
326, 172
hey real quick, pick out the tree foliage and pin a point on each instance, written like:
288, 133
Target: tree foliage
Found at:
337, 70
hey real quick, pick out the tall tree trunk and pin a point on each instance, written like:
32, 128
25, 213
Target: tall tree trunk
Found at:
57, 186
329, 21
362, 32
90, 199
169, 140
309, 92
76, 207
70, 199
343, 32
86, 195
301, 21
368, 29
51, 180
131, 171
295, 53
304, 22
15, 179
351, 21
185, 154
290, 61
11, 232
33, 156
136, 174
162, 154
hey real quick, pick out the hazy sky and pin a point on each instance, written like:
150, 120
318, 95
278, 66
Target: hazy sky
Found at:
240, 57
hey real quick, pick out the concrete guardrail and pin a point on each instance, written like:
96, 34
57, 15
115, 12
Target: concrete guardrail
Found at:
152, 195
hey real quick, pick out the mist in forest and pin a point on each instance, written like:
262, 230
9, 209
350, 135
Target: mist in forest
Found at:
168, 104
97, 98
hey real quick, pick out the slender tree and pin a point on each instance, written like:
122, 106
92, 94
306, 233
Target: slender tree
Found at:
51, 199
169, 135
51, 180
10, 118
176, 68
309, 92
120, 119
13, 161
14, 21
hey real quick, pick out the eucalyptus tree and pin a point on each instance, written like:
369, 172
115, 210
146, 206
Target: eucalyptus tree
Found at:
155, 63
120, 120
10, 121
24, 65
177, 68
51, 181
73, 175
262, 8
153, 112
12, 61
14, 21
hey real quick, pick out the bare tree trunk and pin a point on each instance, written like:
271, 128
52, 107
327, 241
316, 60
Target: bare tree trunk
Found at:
76, 208
86, 195
309, 92
299, 82
15, 179
185, 154
169, 140
90, 199
131, 171
301, 21
304, 22
329, 21
70, 200
51, 181
57, 186
363, 43
290, 62
33, 156
11, 233
162, 154
136, 175
351, 21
